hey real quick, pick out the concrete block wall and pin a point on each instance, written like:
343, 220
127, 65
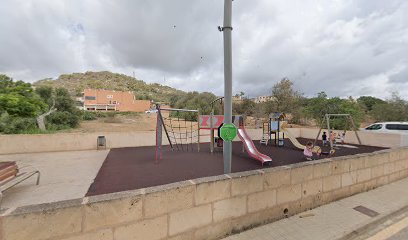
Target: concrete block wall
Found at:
33, 143
206, 208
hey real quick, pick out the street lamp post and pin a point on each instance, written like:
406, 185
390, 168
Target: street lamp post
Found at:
227, 28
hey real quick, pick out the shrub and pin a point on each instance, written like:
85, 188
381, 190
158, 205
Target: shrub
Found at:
88, 116
16, 125
62, 120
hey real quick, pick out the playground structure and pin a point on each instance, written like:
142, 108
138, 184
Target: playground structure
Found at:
181, 133
273, 127
327, 118
248, 143
214, 122
277, 125
296, 143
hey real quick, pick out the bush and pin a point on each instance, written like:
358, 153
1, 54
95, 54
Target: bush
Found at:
88, 116
16, 125
62, 120
103, 114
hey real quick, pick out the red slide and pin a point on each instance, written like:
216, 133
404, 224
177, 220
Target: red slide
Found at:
250, 147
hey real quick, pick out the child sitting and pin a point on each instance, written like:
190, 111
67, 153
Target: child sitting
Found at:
308, 151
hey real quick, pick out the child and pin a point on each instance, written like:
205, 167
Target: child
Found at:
333, 138
324, 139
308, 151
342, 137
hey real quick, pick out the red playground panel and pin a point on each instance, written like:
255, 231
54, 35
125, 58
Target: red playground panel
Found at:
205, 121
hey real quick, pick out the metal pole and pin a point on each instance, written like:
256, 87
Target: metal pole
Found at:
227, 148
211, 131
198, 131
355, 129
320, 130
329, 130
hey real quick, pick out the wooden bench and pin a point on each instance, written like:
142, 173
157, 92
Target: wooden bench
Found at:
11, 175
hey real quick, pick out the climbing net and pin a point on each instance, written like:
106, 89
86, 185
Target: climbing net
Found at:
181, 128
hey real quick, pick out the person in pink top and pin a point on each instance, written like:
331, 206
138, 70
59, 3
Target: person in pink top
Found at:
308, 151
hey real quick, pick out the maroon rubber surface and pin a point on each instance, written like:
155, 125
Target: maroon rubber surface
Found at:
134, 168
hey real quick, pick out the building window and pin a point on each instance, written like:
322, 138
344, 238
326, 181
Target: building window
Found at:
109, 96
90, 98
114, 102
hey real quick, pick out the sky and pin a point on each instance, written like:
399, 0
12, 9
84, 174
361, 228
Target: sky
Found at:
342, 47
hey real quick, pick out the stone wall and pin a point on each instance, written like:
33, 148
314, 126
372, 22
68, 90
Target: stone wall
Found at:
206, 208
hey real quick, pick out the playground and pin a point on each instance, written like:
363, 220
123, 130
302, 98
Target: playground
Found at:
187, 146
187, 157
135, 167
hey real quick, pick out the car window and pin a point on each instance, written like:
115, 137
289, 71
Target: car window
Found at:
396, 126
392, 126
374, 127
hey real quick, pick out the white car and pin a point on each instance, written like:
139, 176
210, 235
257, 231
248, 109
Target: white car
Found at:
151, 111
390, 127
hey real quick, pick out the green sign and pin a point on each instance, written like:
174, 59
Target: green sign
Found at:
228, 132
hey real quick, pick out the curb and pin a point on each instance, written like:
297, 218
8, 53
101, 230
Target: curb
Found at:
366, 228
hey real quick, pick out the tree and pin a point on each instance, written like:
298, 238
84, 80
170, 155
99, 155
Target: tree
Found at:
41, 118
195, 100
67, 114
246, 107
286, 99
18, 99
369, 102
318, 106
395, 109
46, 93
59, 100
19, 106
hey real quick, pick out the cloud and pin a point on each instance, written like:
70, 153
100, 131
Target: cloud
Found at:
346, 48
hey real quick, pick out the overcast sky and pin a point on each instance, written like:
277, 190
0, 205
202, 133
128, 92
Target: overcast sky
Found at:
342, 47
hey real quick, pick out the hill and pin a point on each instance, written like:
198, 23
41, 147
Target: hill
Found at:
75, 83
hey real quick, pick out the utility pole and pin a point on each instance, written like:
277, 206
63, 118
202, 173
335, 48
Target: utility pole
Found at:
227, 28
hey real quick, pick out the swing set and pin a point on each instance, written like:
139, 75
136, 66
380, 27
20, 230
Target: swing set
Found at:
327, 118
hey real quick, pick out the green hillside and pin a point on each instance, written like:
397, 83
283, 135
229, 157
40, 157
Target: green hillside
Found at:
75, 83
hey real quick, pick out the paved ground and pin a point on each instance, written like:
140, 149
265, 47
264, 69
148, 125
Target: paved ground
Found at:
394, 227
338, 219
64, 175
402, 235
